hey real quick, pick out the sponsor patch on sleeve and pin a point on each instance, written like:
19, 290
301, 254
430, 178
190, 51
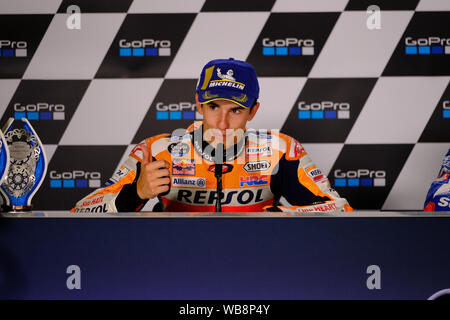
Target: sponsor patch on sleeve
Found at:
296, 150
119, 174
315, 173
137, 152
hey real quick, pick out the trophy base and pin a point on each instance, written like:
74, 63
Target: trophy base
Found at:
17, 208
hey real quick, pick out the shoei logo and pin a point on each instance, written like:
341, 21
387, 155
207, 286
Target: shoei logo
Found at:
75, 179
427, 46
39, 111
359, 178
257, 166
10, 48
446, 109
288, 47
323, 110
144, 47
177, 111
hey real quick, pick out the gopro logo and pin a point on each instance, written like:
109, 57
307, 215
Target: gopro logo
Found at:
75, 179
288, 46
324, 110
177, 111
39, 111
446, 109
10, 48
359, 178
426, 46
144, 47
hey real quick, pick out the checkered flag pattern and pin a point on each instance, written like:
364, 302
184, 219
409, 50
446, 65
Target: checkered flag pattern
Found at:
363, 85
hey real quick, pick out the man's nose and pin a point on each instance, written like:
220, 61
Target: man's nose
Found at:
223, 121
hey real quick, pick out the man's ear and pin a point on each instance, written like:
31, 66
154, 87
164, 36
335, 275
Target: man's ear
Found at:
253, 112
199, 106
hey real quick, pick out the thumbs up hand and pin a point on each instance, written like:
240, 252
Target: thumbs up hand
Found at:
154, 177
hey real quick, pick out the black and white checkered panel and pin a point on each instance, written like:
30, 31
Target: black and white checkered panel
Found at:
371, 105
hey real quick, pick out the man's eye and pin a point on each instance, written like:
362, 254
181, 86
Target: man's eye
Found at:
212, 107
237, 111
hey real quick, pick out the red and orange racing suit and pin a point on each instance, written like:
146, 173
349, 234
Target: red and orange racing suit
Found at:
263, 167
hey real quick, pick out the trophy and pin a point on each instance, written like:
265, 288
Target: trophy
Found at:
27, 165
4, 158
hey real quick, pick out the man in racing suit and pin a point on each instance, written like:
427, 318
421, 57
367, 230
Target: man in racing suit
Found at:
438, 196
258, 166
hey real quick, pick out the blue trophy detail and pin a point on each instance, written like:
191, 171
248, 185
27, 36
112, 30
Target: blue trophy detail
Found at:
4, 158
27, 165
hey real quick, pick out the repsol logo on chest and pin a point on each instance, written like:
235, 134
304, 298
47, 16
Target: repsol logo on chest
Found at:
227, 197
144, 47
39, 111
10, 48
74, 179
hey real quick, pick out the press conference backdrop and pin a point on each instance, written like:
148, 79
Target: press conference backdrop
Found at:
367, 94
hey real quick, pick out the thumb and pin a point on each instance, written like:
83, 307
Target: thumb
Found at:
145, 154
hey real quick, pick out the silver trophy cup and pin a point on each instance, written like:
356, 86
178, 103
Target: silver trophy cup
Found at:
27, 165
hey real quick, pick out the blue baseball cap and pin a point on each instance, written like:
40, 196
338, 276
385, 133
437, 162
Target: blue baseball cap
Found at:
228, 79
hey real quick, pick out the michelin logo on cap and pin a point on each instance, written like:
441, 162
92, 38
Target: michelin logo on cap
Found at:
227, 76
226, 80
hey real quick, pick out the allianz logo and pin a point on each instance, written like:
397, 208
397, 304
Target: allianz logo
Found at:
194, 182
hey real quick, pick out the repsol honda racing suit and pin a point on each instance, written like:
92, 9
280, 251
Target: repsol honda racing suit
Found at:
262, 167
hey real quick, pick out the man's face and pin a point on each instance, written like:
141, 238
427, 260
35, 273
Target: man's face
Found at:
224, 121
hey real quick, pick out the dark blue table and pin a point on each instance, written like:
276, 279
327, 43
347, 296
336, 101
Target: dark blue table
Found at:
224, 258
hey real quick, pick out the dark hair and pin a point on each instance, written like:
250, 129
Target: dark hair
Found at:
254, 104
